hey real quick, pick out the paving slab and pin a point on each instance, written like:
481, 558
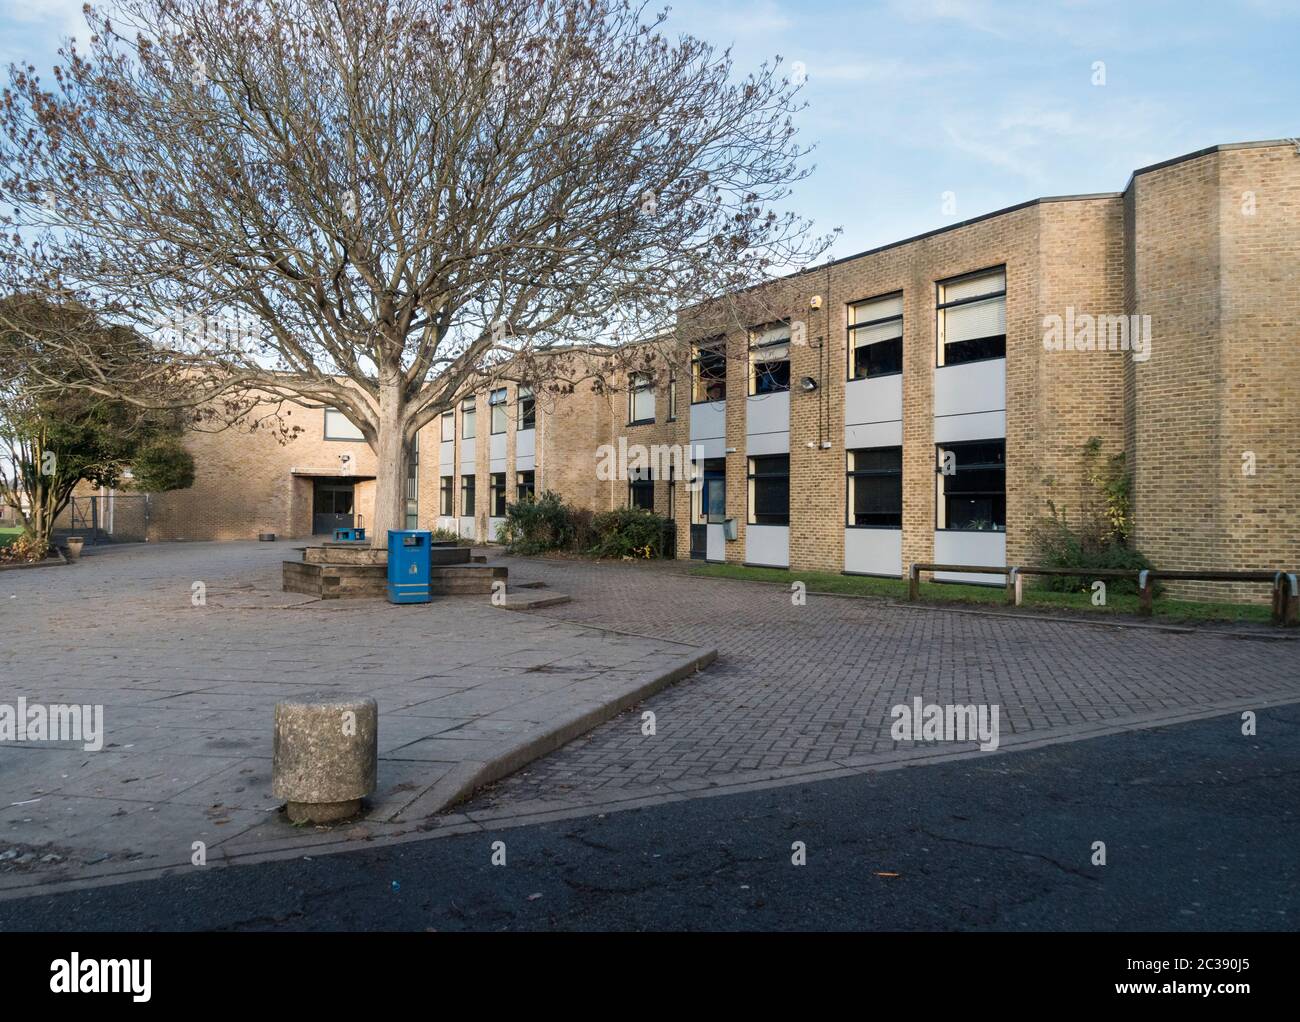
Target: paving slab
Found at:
466, 696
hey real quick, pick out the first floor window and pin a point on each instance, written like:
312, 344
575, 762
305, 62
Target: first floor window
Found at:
972, 486
525, 485
527, 408
972, 317
769, 360
446, 497
876, 337
641, 400
467, 496
339, 427
875, 486
641, 489
709, 371
498, 509
497, 406
769, 489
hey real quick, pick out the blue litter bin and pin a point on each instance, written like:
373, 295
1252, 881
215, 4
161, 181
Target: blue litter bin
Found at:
410, 566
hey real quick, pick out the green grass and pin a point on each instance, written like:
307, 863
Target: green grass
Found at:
936, 592
9, 533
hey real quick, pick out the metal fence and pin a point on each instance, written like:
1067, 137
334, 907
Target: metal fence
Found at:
119, 518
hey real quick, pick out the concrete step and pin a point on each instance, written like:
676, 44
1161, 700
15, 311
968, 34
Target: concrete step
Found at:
531, 599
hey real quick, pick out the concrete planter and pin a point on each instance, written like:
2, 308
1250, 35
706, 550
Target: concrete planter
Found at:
75, 543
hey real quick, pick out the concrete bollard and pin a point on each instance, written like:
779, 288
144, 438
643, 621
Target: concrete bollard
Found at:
325, 755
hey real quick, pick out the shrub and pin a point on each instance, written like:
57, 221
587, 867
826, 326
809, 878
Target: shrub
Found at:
537, 525
630, 532
448, 536
24, 548
1057, 545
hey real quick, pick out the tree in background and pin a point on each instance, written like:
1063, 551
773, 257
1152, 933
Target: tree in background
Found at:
382, 205
53, 438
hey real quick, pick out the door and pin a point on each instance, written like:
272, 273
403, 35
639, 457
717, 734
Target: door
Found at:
713, 510
331, 507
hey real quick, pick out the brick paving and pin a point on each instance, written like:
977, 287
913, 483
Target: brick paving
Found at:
795, 687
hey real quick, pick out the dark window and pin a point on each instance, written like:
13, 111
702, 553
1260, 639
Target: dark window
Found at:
446, 496
497, 410
498, 509
525, 485
672, 397
709, 372
769, 361
527, 408
875, 485
972, 317
972, 486
467, 496
641, 489
876, 337
769, 490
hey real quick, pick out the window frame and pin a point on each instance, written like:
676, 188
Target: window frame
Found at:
940, 492
496, 494
641, 481
750, 490
850, 487
640, 384
714, 346
325, 428
469, 418
752, 370
520, 494
470, 490
448, 419
525, 408
941, 307
447, 496
497, 410
851, 328
672, 396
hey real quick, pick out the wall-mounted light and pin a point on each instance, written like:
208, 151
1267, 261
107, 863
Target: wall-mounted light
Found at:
815, 302
808, 384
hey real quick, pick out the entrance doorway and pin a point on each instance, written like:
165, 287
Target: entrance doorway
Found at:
332, 507
710, 510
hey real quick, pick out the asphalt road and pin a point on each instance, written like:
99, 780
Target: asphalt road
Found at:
1201, 827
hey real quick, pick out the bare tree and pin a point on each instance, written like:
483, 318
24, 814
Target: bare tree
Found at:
381, 203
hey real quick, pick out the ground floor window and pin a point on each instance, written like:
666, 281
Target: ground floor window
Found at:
769, 489
467, 496
972, 486
875, 488
446, 496
525, 485
498, 508
641, 489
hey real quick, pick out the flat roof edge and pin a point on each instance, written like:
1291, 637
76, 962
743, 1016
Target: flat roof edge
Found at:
1209, 151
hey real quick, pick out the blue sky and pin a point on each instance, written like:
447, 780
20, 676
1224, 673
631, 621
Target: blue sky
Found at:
992, 100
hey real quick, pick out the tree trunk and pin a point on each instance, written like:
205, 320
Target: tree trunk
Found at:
390, 463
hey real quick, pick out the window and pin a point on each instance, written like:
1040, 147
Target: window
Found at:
339, 427
497, 410
448, 426
641, 400
709, 371
972, 486
710, 507
672, 397
641, 488
876, 337
527, 408
525, 485
769, 360
769, 490
672, 491
875, 488
498, 505
972, 317
413, 485
446, 496
467, 496
468, 414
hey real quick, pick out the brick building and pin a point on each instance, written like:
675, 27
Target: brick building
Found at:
922, 401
